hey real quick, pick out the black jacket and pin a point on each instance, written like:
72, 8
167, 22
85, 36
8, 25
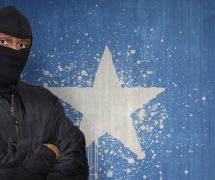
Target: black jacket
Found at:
40, 119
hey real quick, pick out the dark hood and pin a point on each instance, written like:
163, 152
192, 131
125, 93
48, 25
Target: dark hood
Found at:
14, 23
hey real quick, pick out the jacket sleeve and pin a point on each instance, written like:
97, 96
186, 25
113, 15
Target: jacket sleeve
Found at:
21, 154
13, 153
71, 142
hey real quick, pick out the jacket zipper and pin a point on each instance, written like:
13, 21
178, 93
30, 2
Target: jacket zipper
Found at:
14, 115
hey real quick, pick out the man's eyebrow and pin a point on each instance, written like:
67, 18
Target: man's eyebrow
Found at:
25, 41
3, 36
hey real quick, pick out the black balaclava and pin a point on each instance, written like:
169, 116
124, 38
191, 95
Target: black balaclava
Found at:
12, 62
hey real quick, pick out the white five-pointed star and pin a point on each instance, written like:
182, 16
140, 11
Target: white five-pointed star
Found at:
106, 106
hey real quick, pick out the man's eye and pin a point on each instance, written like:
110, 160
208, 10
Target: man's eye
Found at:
22, 46
3, 42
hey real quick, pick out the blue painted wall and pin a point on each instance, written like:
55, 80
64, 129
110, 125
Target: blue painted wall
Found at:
174, 45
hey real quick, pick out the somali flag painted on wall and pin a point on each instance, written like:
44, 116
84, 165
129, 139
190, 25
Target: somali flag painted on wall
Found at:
136, 76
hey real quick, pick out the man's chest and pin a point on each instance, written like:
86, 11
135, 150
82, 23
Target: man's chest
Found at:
20, 122
7, 121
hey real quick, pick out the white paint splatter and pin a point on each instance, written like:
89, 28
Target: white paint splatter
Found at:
149, 72
143, 127
46, 72
174, 84
136, 122
60, 68
79, 78
109, 173
84, 73
96, 176
154, 156
161, 126
118, 53
204, 98
144, 76
128, 170
141, 114
168, 135
139, 62
130, 160
133, 51
153, 114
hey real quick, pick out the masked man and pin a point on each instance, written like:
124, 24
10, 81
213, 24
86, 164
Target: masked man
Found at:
37, 141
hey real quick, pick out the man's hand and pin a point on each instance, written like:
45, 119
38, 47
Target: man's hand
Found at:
54, 149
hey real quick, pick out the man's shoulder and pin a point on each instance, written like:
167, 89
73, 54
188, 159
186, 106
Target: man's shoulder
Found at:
34, 91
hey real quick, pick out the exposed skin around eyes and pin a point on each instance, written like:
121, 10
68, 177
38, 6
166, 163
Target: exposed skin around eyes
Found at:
14, 42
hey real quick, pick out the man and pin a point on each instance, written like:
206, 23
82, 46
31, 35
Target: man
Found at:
37, 141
